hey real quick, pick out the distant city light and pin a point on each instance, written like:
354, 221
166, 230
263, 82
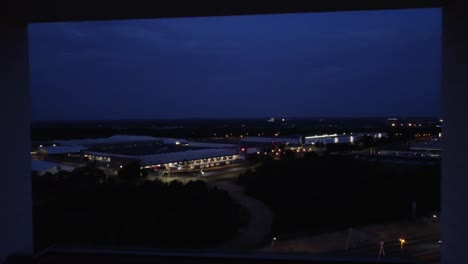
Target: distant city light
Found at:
40, 146
336, 140
120, 166
409, 124
282, 119
393, 124
177, 143
351, 139
54, 145
434, 216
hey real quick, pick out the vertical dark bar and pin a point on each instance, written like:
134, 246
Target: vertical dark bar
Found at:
16, 235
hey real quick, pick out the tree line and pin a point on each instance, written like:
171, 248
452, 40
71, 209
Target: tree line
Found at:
320, 193
87, 207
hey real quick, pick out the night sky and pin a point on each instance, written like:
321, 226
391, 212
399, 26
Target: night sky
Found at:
345, 64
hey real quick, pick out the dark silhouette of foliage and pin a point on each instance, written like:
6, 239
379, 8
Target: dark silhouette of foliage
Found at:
147, 213
130, 172
320, 193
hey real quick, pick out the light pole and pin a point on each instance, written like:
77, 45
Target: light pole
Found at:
402, 242
273, 241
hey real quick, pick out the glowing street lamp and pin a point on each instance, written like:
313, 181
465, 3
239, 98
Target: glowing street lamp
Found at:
273, 241
402, 242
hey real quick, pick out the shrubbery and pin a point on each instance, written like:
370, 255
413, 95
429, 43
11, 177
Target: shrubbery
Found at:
90, 211
320, 193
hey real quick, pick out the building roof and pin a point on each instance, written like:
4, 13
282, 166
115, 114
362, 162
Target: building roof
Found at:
270, 139
210, 145
62, 149
167, 140
172, 156
118, 139
40, 165
185, 155
109, 140
431, 145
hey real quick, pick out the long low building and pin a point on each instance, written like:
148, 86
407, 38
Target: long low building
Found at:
192, 159
340, 138
274, 140
41, 167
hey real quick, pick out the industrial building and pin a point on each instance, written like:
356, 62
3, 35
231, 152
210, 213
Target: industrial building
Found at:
155, 153
273, 140
42, 167
188, 159
340, 138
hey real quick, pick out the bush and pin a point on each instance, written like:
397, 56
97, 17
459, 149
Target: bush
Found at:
149, 213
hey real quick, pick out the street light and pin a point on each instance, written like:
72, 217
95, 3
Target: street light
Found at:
402, 242
272, 241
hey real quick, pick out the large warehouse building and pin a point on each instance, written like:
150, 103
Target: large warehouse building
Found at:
150, 152
182, 159
340, 138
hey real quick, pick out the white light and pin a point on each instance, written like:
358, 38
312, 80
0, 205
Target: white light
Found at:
336, 140
435, 216
53, 145
322, 136
177, 143
274, 238
282, 119
40, 146
351, 139
380, 135
120, 166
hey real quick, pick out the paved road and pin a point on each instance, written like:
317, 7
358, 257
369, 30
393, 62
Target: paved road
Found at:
260, 218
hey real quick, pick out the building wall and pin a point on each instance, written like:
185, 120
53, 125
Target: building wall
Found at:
16, 233
454, 204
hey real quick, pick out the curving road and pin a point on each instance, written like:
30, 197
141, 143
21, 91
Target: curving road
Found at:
260, 218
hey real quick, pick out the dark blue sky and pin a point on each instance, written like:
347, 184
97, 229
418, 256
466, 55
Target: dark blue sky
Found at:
353, 64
